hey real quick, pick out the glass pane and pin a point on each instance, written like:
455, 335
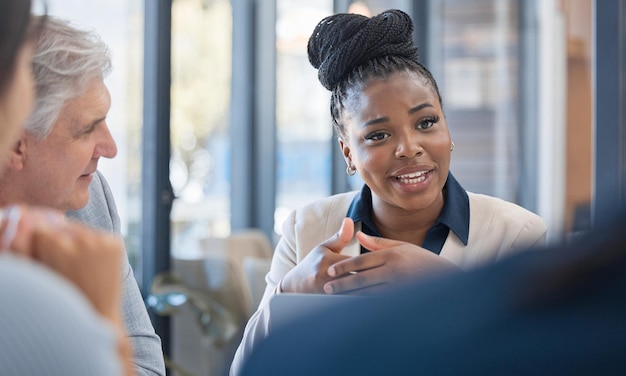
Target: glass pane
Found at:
304, 127
125, 84
478, 44
200, 96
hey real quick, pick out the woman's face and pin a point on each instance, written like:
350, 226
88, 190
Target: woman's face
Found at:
396, 135
17, 100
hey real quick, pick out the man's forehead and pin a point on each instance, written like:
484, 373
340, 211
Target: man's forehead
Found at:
93, 104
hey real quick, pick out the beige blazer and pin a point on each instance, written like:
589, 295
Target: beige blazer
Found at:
497, 228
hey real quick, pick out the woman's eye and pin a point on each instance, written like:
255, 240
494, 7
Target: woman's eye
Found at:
427, 123
376, 136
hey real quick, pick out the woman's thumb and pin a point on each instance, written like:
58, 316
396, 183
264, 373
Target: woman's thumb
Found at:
342, 238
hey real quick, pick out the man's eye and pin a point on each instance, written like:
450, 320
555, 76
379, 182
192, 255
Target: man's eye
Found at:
89, 129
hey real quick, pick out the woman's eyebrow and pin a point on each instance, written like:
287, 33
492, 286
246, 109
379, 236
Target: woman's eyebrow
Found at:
375, 121
419, 107
384, 119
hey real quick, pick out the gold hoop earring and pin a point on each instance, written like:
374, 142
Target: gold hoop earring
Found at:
351, 170
451, 145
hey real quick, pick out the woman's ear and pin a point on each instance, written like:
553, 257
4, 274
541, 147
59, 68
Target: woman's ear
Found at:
345, 150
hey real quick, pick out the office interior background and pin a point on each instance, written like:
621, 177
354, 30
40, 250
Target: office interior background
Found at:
222, 125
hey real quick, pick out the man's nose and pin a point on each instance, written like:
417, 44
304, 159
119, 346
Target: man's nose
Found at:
106, 146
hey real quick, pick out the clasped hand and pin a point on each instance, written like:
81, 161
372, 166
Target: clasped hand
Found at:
89, 259
390, 262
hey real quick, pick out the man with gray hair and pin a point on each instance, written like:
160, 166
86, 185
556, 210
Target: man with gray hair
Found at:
55, 162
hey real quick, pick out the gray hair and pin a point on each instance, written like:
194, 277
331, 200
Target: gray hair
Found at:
65, 60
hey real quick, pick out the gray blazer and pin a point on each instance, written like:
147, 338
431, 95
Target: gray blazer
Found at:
101, 213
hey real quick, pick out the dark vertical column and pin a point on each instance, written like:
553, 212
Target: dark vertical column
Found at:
421, 17
265, 143
609, 179
242, 115
527, 186
338, 178
341, 6
253, 115
621, 124
157, 193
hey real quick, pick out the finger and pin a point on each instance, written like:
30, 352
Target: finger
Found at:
10, 219
17, 234
375, 243
353, 282
342, 238
19, 222
357, 264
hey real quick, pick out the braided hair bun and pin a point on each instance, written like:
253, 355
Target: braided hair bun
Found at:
344, 41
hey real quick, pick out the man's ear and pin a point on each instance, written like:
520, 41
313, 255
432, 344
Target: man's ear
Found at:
17, 156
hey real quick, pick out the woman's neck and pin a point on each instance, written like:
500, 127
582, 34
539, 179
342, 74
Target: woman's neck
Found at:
399, 224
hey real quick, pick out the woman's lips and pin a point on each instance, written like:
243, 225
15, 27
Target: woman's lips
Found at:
413, 182
412, 178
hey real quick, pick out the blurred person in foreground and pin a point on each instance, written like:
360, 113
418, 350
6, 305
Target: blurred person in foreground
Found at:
54, 163
411, 219
60, 282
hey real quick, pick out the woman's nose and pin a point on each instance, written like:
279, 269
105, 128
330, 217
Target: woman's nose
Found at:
408, 147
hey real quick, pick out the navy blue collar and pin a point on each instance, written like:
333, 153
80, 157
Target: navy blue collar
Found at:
454, 216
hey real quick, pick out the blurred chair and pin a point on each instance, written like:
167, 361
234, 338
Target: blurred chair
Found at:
255, 269
210, 297
251, 253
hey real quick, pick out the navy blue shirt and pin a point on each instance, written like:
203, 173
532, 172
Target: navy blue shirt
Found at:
454, 216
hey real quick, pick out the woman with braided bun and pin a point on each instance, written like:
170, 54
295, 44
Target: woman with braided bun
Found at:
411, 218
